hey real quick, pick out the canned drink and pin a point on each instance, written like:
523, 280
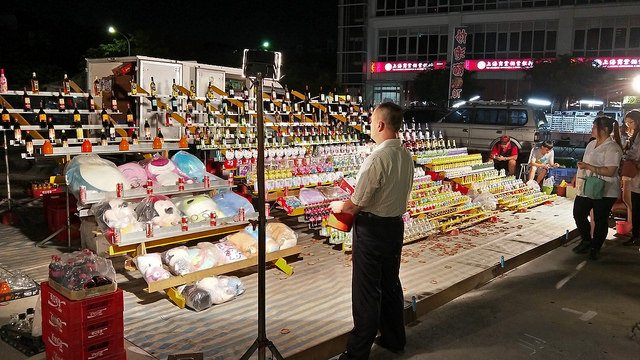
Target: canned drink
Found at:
180, 184
230, 179
241, 214
149, 186
185, 223
286, 191
207, 181
119, 189
149, 229
267, 210
213, 219
83, 194
117, 236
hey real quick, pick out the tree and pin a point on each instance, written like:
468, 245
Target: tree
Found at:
565, 79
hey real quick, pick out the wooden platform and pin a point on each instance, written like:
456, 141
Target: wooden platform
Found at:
314, 304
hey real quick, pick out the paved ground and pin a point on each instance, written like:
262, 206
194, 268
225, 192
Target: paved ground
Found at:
559, 306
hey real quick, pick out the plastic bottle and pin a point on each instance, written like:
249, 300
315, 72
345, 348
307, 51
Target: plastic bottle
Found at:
31, 312
23, 324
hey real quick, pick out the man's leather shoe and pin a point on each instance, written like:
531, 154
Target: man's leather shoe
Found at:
593, 254
582, 248
380, 342
634, 241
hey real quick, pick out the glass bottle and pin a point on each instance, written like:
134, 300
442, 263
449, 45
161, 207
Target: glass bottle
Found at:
61, 102
192, 89
66, 85
147, 130
28, 142
96, 87
17, 133
153, 90
112, 131
134, 87
154, 103
104, 117
26, 100
4, 87
52, 131
35, 88
174, 89
130, 119
63, 139
6, 118
91, 104
103, 138
114, 102
76, 116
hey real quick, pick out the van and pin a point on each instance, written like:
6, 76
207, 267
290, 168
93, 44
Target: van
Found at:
478, 125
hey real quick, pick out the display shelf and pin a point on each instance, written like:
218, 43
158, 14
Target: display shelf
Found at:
70, 127
173, 237
110, 149
219, 270
139, 193
461, 199
58, 112
468, 221
454, 212
45, 93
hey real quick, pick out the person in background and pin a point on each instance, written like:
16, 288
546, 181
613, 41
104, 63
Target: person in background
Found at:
379, 201
504, 155
601, 158
631, 185
542, 158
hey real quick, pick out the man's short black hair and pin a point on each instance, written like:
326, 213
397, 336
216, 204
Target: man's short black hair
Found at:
392, 115
548, 144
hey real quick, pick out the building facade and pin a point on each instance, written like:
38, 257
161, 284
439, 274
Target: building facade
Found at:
375, 37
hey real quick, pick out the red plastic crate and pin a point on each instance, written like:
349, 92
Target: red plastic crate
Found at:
81, 311
85, 331
56, 215
111, 347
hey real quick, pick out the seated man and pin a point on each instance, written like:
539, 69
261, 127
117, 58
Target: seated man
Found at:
541, 160
504, 155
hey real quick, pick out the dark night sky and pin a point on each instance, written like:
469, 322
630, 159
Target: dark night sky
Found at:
53, 36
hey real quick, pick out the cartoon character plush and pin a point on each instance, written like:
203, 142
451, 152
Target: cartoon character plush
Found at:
178, 260
198, 208
164, 171
168, 213
134, 173
121, 216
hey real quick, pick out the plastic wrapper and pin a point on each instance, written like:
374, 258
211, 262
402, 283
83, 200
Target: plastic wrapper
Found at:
163, 171
282, 235
533, 184
92, 172
190, 165
19, 281
115, 214
198, 207
244, 242
150, 266
271, 245
177, 260
36, 327
229, 203
486, 200
158, 210
221, 288
81, 269
135, 174
201, 258
333, 192
310, 196
196, 298
223, 252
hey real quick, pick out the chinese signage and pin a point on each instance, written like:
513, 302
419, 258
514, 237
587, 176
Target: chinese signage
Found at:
457, 62
406, 66
498, 64
618, 62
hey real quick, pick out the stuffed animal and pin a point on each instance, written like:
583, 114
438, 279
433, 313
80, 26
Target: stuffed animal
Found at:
164, 171
177, 259
120, 215
134, 173
198, 208
168, 213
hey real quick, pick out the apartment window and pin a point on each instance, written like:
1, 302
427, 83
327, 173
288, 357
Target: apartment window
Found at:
621, 38
634, 37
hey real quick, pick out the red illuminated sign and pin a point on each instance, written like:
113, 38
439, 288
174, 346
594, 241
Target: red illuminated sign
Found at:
498, 64
406, 66
617, 62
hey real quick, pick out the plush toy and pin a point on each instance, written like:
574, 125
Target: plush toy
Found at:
134, 173
201, 258
177, 259
198, 208
164, 171
189, 165
121, 216
168, 213
150, 265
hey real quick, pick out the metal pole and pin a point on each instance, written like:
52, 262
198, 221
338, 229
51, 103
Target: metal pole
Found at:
6, 162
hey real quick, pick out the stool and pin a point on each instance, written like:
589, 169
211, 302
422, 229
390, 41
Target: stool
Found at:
524, 172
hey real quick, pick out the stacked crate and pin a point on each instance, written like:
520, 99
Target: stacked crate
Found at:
91, 328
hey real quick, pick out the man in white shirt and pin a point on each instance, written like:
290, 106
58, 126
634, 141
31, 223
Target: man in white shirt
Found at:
379, 200
541, 160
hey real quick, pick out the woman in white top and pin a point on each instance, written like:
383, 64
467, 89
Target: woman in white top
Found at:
601, 158
631, 185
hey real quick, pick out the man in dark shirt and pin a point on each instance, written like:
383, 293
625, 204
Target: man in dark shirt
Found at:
504, 155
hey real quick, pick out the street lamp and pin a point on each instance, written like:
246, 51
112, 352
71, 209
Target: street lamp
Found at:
113, 30
265, 44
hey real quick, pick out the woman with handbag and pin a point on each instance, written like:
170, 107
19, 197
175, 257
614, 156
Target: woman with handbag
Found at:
597, 185
630, 176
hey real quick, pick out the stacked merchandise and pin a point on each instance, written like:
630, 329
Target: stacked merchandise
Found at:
82, 310
20, 332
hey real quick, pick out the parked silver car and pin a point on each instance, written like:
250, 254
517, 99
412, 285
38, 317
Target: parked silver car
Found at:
478, 125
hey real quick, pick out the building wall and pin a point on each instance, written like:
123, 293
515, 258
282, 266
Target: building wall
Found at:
541, 28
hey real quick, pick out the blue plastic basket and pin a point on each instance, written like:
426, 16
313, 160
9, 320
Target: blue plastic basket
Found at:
560, 174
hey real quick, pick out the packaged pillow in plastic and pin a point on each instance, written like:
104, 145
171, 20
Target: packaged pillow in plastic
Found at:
198, 207
158, 210
94, 173
310, 196
178, 260
201, 258
282, 235
253, 248
223, 252
245, 242
135, 174
190, 165
196, 298
115, 215
221, 288
163, 171
229, 203
150, 266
